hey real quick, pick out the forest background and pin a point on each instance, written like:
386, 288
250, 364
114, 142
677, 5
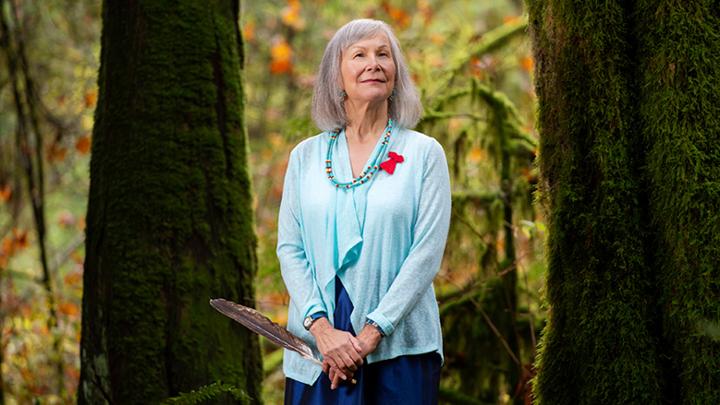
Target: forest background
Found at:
473, 66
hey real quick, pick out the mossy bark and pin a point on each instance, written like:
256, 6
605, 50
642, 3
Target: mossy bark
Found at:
679, 77
598, 345
629, 157
170, 220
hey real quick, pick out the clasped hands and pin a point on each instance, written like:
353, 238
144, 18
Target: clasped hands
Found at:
342, 352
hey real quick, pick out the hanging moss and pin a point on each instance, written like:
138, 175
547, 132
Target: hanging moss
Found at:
599, 344
680, 113
472, 348
170, 223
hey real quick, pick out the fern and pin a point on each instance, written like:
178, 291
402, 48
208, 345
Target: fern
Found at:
208, 392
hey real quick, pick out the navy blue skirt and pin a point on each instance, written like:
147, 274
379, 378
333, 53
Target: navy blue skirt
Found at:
413, 379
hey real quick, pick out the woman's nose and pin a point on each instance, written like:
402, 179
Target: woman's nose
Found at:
372, 65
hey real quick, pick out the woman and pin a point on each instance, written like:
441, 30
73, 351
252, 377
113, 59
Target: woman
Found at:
362, 229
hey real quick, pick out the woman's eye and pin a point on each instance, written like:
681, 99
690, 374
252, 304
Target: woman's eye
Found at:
356, 55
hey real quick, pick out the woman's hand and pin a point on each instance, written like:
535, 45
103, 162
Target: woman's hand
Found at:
335, 377
341, 350
369, 338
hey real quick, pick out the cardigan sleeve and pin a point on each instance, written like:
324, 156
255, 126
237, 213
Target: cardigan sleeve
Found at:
295, 269
428, 244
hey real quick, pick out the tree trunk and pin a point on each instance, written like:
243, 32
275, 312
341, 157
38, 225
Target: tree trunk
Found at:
629, 111
680, 124
170, 220
599, 345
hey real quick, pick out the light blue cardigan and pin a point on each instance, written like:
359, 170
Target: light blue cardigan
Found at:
385, 240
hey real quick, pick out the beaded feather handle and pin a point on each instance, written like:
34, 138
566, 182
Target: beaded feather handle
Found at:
260, 324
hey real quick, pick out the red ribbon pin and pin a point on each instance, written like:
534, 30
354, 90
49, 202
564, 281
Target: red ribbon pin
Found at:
389, 165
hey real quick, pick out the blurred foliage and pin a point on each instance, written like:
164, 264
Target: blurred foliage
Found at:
471, 62
469, 59
60, 41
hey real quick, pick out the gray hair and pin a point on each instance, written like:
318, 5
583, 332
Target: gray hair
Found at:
328, 111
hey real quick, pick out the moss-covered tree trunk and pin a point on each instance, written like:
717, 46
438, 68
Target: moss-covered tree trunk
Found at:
169, 222
629, 108
679, 79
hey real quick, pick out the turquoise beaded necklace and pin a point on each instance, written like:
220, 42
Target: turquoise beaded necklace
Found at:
366, 174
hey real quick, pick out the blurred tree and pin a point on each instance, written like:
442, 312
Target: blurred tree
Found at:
29, 153
170, 220
630, 165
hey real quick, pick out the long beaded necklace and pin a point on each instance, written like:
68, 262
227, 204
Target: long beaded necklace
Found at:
366, 174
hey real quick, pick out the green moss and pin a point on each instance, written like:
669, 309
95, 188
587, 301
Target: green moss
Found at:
598, 346
630, 159
170, 223
680, 115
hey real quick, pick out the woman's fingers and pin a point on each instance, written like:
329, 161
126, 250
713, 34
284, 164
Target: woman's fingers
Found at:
349, 363
335, 378
335, 364
341, 351
338, 364
355, 357
356, 344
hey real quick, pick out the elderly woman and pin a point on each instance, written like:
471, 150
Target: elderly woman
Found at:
362, 229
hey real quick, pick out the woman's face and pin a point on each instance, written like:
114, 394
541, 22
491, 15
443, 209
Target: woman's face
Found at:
368, 70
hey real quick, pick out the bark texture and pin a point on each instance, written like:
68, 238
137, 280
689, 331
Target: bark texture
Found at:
630, 163
170, 220
679, 118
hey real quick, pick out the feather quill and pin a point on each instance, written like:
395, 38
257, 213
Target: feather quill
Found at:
260, 324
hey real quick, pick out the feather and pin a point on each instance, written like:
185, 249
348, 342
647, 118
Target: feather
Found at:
260, 324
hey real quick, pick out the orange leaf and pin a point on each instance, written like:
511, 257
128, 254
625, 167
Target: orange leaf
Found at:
56, 153
510, 19
425, 10
83, 144
7, 247
527, 63
249, 31
476, 67
90, 98
398, 15
21, 239
72, 373
291, 15
281, 54
73, 278
281, 51
476, 154
68, 308
5, 193
280, 66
